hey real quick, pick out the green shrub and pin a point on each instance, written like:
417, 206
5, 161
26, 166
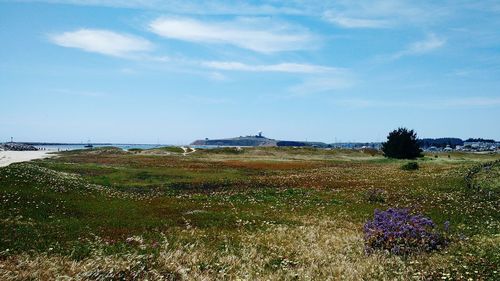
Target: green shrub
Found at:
410, 166
174, 149
80, 251
225, 150
375, 196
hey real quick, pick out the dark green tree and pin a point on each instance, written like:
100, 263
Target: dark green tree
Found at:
402, 144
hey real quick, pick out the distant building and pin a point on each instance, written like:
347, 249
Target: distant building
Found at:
480, 146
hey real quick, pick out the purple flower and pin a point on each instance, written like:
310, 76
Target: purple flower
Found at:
400, 232
446, 226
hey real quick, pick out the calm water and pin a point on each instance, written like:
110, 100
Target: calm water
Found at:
66, 147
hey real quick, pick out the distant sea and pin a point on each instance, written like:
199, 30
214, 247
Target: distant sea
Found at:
67, 147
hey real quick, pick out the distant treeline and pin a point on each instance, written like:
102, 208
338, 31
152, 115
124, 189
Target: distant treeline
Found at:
479, 140
440, 142
302, 143
452, 142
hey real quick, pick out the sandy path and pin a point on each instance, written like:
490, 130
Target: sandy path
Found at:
193, 150
9, 157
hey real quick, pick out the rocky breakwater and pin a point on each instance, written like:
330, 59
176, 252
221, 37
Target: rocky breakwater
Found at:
14, 146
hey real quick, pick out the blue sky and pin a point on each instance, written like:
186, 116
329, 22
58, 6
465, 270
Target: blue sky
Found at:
174, 71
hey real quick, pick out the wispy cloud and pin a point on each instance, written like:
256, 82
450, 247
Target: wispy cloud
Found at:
460, 73
429, 44
127, 71
103, 3
465, 102
315, 78
350, 14
206, 100
383, 13
351, 22
256, 34
102, 41
322, 84
281, 67
216, 76
473, 102
194, 7
92, 94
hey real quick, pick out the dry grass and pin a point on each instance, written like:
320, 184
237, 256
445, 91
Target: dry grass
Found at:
317, 250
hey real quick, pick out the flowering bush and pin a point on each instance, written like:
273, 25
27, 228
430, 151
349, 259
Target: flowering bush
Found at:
401, 233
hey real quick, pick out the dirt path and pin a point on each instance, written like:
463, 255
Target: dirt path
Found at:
186, 150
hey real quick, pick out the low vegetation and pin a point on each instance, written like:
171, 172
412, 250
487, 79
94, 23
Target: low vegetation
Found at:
375, 195
410, 166
174, 149
256, 214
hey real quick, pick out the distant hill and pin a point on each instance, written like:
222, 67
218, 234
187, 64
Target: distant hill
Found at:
257, 140
238, 141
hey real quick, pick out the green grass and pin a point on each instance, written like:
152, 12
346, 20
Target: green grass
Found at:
174, 149
87, 203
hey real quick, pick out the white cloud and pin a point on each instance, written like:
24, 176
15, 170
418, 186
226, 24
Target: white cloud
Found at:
104, 3
354, 13
102, 41
322, 84
256, 34
351, 22
193, 7
366, 103
126, 70
281, 67
461, 73
206, 100
216, 76
385, 13
473, 102
439, 104
94, 94
431, 43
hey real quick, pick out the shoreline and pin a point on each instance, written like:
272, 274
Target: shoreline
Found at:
9, 157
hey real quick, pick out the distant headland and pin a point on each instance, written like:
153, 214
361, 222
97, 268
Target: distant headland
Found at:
257, 140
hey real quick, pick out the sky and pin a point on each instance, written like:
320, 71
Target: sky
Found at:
150, 71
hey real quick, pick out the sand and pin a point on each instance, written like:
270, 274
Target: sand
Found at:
9, 157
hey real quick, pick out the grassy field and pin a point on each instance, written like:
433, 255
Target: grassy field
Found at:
256, 214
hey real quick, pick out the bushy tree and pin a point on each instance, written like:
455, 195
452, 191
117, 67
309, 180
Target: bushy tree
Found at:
402, 144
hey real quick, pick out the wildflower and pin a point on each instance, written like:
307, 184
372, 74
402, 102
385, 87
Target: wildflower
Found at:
401, 233
446, 226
